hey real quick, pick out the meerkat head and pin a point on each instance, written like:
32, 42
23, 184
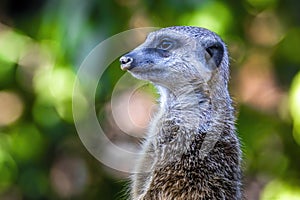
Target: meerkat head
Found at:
178, 54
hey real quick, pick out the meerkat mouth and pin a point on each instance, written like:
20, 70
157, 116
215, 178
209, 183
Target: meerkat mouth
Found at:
126, 67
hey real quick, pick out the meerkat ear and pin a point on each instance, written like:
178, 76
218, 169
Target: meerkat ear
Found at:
214, 55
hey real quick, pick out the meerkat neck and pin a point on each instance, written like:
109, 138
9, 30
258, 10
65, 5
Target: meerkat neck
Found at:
187, 97
197, 102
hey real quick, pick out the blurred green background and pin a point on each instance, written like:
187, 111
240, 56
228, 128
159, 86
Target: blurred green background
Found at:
43, 42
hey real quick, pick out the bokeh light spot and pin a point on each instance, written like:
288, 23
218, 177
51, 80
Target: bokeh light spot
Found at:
133, 112
62, 81
11, 107
207, 17
55, 87
26, 143
69, 176
295, 106
279, 190
36, 57
265, 29
13, 42
42, 109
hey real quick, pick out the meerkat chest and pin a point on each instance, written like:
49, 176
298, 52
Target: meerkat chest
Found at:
168, 125
171, 136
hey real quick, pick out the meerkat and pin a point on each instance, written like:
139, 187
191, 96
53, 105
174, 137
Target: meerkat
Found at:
192, 150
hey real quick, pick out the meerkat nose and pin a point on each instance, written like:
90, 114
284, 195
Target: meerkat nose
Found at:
126, 62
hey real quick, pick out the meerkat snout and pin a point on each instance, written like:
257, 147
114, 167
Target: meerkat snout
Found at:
126, 62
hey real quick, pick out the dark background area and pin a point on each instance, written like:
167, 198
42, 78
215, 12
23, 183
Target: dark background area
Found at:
43, 42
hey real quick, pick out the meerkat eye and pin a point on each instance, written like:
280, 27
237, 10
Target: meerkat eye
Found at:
165, 44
